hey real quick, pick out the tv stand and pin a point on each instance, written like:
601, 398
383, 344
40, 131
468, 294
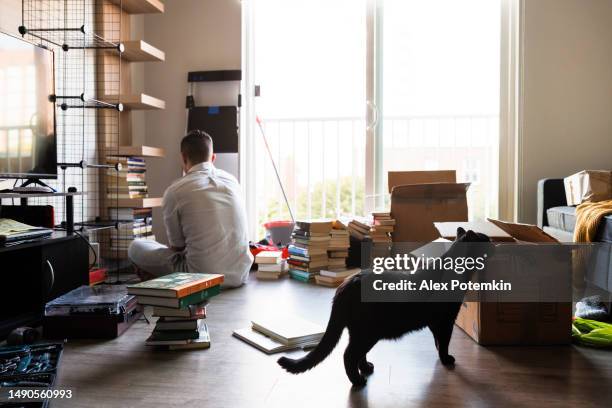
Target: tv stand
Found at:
37, 186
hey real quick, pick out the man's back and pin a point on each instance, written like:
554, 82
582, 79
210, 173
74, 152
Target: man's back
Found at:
204, 212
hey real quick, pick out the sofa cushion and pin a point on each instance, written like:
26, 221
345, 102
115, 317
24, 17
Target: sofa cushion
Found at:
564, 219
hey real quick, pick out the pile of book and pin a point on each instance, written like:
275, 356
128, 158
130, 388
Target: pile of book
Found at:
333, 279
273, 334
382, 228
308, 249
132, 223
270, 265
359, 228
337, 252
179, 300
129, 182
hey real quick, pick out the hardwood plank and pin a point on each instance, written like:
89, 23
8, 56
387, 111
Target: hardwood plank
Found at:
135, 202
136, 101
124, 372
140, 151
140, 6
141, 51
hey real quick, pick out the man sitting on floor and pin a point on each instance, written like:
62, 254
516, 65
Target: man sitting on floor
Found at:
205, 221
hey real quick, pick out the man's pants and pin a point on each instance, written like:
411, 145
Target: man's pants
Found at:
155, 258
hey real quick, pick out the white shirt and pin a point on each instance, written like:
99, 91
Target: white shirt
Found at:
204, 212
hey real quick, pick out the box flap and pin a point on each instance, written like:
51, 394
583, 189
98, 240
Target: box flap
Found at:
431, 191
399, 178
449, 230
524, 232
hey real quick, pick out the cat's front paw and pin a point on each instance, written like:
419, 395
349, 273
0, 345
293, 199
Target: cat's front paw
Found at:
447, 360
359, 381
367, 368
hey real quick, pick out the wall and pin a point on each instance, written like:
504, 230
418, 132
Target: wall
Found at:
567, 82
10, 16
195, 35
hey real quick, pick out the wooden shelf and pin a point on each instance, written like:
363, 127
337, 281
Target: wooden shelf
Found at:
135, 202
140, 6
136, 101
140, 51
139, 151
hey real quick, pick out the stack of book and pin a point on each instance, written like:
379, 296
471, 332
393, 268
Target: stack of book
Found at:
333, 279
382, 228
359, 228
270, 265
308, 249
280, 333
339, 243
179, 300
129, 182
132, 223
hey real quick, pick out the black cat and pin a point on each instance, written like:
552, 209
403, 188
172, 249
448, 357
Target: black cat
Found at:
369, 322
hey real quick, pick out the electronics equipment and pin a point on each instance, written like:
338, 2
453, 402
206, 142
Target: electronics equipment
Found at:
220, 122
28, 147
36, 215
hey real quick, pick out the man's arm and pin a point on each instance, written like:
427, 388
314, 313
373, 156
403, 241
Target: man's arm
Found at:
172, 221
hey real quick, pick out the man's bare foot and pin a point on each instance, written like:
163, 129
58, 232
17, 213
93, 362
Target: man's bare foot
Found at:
142, 274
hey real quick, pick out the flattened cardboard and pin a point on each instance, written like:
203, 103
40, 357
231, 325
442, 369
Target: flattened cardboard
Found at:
448, 230
400, 178
588, 186
416, 207
524, 232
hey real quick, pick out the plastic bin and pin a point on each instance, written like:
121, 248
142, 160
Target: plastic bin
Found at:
279, 232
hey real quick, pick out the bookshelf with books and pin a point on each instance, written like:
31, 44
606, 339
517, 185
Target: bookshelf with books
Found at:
124, 193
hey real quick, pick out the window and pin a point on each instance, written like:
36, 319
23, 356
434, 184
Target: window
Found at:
427, 73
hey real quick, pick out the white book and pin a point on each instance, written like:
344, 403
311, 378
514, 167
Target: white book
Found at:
267, 344
339, 274
288, 330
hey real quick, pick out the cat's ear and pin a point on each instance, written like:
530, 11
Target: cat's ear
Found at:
471, 236
460, 232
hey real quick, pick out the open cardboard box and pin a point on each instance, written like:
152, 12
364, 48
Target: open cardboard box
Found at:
491, 322
420, 198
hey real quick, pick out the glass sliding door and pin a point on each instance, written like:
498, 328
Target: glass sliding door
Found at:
307, 60
437, 81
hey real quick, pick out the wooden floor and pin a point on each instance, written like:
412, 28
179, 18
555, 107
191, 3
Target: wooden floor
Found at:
125, 373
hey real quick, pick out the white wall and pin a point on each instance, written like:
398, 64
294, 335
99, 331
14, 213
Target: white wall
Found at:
567, 83
195, 35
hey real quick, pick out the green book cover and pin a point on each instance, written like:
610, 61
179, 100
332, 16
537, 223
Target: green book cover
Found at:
178, 285
299, 276
199, 297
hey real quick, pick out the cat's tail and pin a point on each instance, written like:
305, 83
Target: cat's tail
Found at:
333, 332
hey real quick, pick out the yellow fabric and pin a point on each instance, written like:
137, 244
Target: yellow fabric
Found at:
588, 218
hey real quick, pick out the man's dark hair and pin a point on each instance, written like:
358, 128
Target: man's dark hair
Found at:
197, 146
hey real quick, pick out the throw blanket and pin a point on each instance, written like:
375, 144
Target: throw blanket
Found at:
588, 218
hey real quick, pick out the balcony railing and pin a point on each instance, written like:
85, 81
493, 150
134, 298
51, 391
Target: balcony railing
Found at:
322, 160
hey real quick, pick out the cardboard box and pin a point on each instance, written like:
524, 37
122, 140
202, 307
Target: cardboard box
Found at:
401, 178
491, 322
448, 230
415, 208
588, 186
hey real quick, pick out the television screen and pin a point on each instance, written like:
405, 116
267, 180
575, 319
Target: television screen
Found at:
27, 116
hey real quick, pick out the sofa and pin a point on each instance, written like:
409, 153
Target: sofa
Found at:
558, 219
